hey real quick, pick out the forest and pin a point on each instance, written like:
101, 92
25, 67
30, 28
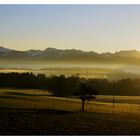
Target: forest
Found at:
67, 86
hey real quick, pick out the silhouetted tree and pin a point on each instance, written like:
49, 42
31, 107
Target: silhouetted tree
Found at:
86, 92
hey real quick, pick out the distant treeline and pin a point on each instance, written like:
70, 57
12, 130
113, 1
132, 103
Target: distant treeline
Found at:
65, 86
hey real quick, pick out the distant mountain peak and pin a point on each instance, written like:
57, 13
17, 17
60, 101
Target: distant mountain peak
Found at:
71, 55
3, 49
129, 53
50, 49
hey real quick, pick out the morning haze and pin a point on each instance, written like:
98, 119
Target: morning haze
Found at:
69, 70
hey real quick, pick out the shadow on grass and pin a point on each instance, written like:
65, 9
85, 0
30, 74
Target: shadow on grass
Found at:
19, 94
25, 110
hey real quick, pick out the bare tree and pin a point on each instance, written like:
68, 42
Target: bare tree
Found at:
86, 92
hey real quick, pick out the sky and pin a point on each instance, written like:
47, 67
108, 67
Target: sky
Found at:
100, 28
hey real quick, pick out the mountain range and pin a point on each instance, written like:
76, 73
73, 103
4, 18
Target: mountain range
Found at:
69, 56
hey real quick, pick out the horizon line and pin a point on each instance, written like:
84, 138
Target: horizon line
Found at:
70, 49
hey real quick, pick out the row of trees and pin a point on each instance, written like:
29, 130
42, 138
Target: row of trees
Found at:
86, 89
66, 86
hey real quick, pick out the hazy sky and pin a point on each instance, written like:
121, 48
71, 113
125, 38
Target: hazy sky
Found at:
99, 28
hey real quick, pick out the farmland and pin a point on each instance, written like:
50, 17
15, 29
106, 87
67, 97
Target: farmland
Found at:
41, 99
36, 112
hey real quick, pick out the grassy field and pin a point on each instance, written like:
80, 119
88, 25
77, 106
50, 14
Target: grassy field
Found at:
35, 112
55, 122
38, 99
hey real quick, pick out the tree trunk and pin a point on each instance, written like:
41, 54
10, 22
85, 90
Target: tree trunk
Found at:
83, 105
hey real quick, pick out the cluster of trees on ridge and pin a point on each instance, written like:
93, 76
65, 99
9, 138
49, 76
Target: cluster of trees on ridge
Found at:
68, 86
